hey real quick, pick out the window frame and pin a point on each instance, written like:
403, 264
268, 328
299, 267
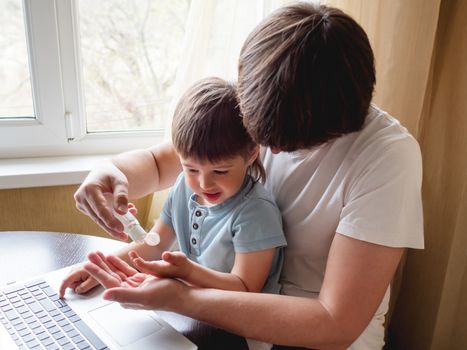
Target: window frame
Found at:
59, 126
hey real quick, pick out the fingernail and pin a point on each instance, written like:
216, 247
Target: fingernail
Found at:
108, 297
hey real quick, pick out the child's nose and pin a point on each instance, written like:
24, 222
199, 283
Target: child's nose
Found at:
205, 182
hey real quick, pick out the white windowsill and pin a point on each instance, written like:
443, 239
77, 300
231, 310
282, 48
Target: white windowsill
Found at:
50, 171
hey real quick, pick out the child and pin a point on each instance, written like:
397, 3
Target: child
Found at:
228, 227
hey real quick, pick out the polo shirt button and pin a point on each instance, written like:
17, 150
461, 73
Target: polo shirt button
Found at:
193, 240
198, 213
195, 226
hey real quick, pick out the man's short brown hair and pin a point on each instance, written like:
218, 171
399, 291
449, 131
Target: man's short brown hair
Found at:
306, 75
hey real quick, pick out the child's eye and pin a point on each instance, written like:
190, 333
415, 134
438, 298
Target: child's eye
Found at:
220, 172
192, 170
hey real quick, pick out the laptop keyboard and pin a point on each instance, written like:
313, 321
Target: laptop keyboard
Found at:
36, 318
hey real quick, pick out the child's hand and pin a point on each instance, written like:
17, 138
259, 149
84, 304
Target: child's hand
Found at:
79, 280
172, 265
112, 272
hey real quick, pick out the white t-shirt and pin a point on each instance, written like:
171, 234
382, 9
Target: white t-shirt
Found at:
365, 185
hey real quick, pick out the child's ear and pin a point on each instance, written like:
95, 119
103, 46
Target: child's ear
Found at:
253, 155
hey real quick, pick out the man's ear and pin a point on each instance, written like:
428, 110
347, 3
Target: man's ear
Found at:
253, 155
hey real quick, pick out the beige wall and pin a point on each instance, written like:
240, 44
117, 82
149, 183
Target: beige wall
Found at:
51, 209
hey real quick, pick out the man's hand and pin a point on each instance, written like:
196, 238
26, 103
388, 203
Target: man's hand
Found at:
90, 199
135, 173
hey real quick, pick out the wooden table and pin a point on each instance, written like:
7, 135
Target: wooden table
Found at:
25, 254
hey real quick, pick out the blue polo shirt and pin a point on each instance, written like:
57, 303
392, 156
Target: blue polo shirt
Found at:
246, 222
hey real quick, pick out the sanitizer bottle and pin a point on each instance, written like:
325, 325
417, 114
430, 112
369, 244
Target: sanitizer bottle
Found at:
132, 227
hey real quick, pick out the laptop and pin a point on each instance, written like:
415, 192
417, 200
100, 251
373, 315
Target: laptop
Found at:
33, 317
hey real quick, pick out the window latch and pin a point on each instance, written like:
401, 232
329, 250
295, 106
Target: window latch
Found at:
70, 127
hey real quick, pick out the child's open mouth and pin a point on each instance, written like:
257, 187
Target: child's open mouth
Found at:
212, 197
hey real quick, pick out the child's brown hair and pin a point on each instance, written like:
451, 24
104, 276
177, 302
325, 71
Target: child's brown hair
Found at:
207, 125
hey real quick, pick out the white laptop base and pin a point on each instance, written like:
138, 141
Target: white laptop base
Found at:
117, 327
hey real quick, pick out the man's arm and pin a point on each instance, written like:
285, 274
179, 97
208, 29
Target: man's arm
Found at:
149, 170
357, 276
134, 174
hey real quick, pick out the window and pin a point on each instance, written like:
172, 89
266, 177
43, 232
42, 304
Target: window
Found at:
15, 90
130, 58
89, 77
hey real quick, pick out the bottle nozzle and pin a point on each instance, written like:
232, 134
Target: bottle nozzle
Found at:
152, 238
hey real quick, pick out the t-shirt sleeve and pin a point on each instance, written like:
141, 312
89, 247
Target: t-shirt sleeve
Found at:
383, 203
257, 226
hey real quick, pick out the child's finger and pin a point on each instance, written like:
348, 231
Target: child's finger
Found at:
102, 276
108, 260
142, 264
133, 254
86, 285
175, 258
73, 279
121, 265
98, 259
157, 268
137, 260
105, 264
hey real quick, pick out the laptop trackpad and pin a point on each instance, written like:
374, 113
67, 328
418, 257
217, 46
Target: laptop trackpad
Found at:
125, 326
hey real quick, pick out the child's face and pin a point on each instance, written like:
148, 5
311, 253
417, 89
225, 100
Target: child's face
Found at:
214, 183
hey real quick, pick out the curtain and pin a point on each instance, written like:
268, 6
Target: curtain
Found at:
431, 309
402, 36
216, 30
